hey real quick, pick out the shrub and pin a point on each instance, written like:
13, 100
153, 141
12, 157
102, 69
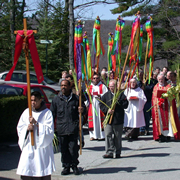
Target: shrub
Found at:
11, 109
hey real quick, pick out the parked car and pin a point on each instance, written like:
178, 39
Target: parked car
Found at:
47, 93
9, 90
20, 77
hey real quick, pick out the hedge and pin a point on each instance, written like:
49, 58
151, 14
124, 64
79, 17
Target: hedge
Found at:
11, 109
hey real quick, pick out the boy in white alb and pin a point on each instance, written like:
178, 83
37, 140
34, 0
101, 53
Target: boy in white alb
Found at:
36, 162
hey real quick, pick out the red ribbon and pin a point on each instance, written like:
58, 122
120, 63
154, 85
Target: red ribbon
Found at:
113, 62
160, 101
150, 33
33, 51
75, 59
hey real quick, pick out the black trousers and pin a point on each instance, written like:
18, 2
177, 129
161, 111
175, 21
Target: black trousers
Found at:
69, 150
36, 178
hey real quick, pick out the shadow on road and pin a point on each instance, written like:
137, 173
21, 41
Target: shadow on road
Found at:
9, 157
143, 149
126, 149
163, 170
144, 138
108, 170
97, 148
2, 178
148, 155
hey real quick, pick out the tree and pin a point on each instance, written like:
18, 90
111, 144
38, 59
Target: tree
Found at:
165, 14
69, 5
52, 24
11, 15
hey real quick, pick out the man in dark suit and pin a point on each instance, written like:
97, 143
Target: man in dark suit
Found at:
116, 126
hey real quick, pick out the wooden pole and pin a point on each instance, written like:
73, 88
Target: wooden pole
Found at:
25, 49
80, 116
121, 77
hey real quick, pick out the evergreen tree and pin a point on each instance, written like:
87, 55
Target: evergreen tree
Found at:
11, 15
53, 25
165, 15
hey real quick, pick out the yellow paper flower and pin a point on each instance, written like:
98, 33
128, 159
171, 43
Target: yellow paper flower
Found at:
164, 95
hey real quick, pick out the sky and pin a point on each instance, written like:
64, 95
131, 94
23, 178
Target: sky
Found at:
103, 11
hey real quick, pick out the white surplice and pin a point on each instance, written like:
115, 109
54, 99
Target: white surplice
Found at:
37, 160
97, 133
134, 116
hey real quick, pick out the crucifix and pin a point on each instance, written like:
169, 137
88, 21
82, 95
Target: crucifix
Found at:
26, 49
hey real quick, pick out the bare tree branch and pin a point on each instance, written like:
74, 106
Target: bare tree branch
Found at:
49, 4
177, 34
166, 11
174, 52
92, 3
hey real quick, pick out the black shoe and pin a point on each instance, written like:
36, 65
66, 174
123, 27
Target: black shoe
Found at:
75, 170
134, 138
65, 171
162, 139
146, 133
118, 156
108, 156
168, 139
126, 137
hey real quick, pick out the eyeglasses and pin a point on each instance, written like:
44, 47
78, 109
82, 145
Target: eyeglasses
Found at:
95, 78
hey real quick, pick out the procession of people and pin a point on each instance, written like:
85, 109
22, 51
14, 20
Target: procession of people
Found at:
111, 102
131, 116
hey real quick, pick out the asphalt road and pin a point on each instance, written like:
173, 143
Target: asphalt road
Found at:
141, 159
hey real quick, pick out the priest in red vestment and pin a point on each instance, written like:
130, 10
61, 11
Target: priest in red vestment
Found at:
165, 123
95, 115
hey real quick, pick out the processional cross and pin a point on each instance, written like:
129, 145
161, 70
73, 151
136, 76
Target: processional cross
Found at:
26, 49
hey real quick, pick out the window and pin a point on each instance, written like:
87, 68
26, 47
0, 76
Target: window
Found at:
33, 79
11, 90
50, 94
4, 76
15, 77
37, 89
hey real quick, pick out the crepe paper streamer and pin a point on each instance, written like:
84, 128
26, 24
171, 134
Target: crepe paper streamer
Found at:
141, 42
135, 33
88, 56
118, 42
135, 48
149, 29
111, 57
78, 39
97, 43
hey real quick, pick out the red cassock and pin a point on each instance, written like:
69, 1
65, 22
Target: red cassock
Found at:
90, 110
163, 111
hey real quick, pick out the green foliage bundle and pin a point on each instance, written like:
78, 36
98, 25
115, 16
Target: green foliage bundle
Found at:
10, 112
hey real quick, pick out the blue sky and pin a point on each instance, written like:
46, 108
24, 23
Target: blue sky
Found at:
103, 11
